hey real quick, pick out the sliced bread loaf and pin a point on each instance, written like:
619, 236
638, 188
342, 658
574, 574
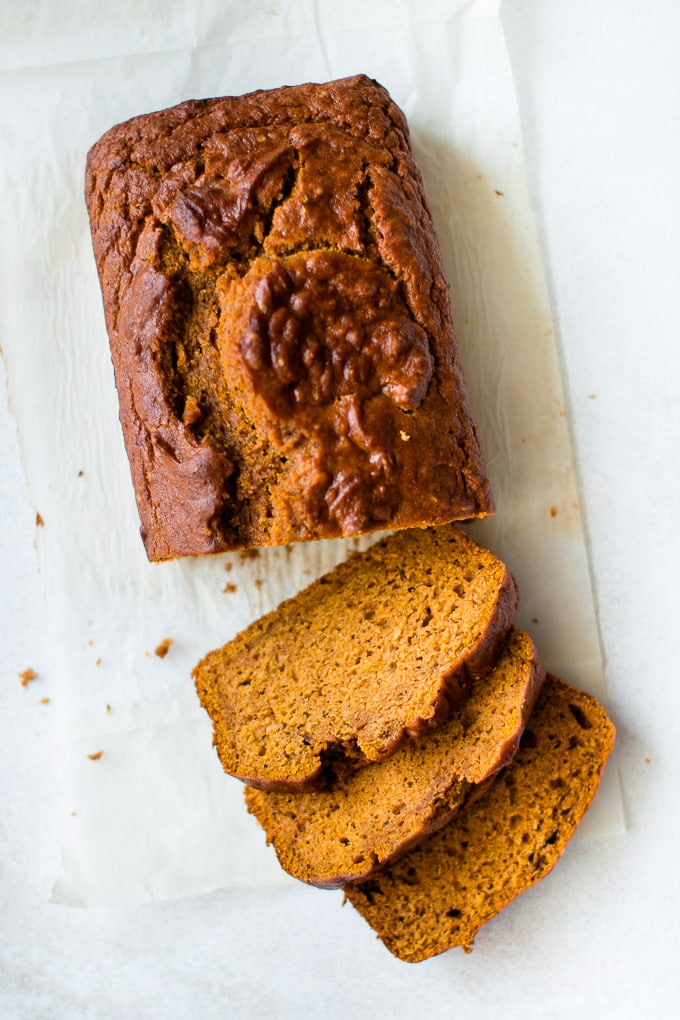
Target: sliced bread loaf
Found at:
441, 893
342, 834
380, 649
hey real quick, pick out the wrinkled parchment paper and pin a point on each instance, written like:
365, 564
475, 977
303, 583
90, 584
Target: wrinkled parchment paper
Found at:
154, 816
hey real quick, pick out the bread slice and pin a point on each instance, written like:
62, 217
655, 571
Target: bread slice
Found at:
380, 649
441, 893
359, 823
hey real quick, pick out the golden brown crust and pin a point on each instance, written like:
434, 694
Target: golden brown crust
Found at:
362, 822
441, 893
381, 649
279, 322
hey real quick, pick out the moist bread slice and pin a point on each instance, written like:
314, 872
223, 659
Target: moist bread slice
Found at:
380, 649
441, 893
344, 833
279, 322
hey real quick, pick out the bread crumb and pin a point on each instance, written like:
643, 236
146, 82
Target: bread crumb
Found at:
499, 193
108, 708
230, 588
74, 814
98, 662
80, 474
192, 411
249, 554
39, 521
228, 566
44, 701
534, 619
553, 511
591, 396
163, 648
96, 756
27, 676
647, 760
404, 435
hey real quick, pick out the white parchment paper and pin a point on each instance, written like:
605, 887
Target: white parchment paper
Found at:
154, 816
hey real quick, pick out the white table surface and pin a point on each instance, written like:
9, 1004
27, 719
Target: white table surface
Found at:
598, 87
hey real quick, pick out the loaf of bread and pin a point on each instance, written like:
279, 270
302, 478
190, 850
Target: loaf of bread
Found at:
441, 893
380, 649
359, 823
279, 322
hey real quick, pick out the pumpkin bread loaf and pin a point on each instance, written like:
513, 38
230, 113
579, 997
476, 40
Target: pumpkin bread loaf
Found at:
279, 322
342, 834
382, 648
441, 893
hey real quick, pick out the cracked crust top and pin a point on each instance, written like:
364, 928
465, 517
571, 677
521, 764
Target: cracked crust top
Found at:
279, 322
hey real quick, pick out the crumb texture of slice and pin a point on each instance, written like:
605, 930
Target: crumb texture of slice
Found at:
444, 890
279, 322
383, 648
359, 823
